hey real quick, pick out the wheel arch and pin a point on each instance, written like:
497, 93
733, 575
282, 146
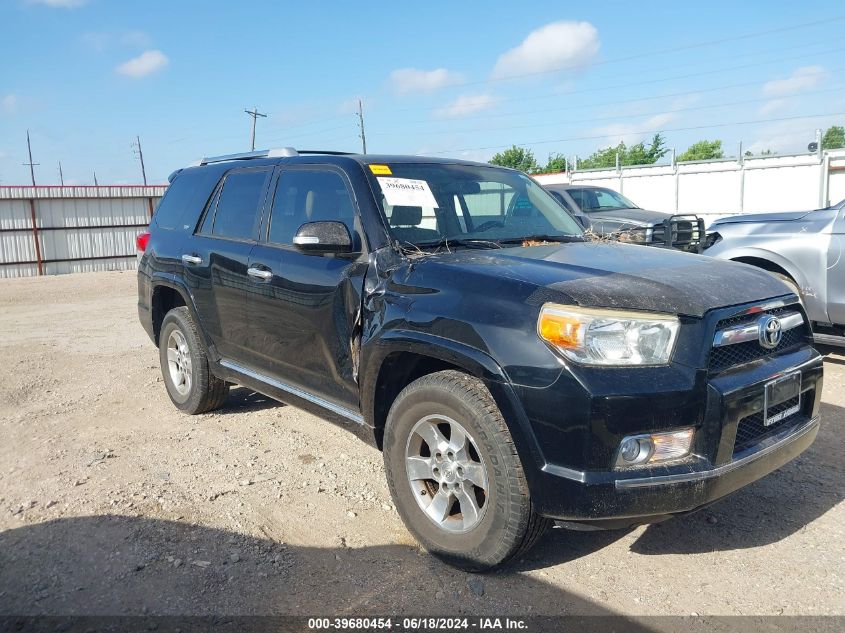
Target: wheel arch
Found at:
400, 357
168, 292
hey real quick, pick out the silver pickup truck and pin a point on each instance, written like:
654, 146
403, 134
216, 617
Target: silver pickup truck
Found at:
805, 248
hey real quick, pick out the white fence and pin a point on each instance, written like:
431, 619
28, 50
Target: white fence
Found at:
55, 230
724, 187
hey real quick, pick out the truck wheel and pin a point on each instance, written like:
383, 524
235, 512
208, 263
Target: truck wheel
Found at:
189, 381
454, 473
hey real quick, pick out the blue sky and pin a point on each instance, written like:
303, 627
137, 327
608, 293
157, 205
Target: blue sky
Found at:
447, 78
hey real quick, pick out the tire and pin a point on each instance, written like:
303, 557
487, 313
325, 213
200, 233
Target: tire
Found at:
189, 381
499, 522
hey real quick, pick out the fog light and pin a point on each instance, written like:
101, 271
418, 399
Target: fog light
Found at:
653, 448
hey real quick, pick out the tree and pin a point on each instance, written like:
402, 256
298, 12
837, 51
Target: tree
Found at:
637, 154
834, 137
702, 150
517, 158
557, 162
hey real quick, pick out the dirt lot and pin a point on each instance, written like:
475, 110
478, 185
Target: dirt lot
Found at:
112, 502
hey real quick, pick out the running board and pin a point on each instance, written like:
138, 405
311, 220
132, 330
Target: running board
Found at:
295, 391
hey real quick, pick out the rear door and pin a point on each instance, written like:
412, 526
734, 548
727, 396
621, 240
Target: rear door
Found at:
217, 256
303, 310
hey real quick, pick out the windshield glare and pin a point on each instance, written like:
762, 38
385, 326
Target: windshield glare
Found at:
597, 199
427, 203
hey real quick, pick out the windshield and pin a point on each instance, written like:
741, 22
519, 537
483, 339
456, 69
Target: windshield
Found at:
599, 199
430, 203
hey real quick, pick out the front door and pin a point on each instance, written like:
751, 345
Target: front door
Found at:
303, 309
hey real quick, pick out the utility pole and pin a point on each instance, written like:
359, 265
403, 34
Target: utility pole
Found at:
139, 154
363, 135
96, 184
30, 163
61, 175
254, 113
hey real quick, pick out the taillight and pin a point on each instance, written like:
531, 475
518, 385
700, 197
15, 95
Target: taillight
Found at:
141, 242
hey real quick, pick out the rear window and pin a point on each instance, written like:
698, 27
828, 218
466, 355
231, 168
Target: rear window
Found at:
238, 204
185, 198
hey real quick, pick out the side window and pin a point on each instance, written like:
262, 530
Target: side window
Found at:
309, 196
237, 205
184, 198
559, 197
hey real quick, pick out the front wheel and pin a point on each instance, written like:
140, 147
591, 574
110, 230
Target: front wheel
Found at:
454, 473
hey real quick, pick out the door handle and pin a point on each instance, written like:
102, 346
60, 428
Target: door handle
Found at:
258, 273
191, 259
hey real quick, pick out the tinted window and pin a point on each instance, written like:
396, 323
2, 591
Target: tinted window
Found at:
599, 199
186, 196
308, 196
237, 205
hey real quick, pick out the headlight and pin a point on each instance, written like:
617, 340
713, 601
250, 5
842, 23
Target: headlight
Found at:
636, 236
608, 337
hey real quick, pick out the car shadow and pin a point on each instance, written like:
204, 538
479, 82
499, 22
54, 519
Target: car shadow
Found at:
243, 400
832, 355
121, 565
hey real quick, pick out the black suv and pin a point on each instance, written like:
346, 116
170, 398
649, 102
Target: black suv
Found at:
452, 314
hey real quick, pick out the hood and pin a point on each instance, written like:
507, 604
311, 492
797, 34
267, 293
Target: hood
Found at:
615, 275
782, 216
637, 217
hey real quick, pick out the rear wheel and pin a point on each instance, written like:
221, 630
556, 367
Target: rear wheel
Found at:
454, 473
184, 365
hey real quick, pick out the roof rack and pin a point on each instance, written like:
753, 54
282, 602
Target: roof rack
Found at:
268, 153
264, 153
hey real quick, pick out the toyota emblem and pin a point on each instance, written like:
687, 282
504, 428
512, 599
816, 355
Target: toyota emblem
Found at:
769, 331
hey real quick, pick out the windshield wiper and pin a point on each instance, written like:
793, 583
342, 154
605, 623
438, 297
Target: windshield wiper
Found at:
563, 239
449, 242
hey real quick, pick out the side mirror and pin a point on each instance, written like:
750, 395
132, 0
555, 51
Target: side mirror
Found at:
323, 237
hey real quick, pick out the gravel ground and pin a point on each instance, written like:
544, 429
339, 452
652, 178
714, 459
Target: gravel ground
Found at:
111, 502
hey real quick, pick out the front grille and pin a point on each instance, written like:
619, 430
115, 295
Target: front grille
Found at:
727, 356
684, 233
750, 430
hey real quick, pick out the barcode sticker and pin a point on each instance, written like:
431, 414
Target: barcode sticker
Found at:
406, 192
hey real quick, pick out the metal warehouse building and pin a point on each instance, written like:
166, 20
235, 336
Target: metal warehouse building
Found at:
55, 230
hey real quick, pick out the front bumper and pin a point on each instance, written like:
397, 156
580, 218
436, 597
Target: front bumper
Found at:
622, 498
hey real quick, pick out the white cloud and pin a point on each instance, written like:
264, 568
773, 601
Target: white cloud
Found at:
101, 40
800, 80
9, 104
411, 80
558, 45
59, 4
771, 107
146, 63
466, 105
631, 133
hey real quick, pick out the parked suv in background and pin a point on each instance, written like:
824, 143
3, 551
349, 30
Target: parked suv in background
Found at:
606, 213
806, 249
452, 314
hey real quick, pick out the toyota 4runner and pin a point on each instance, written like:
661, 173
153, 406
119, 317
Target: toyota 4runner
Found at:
453, 315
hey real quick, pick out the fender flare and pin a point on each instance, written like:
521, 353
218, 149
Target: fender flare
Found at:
465, 357
176, 283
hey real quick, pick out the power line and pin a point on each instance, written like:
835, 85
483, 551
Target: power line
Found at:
647, 114
254, 113
652, 52
640, 82
637, 132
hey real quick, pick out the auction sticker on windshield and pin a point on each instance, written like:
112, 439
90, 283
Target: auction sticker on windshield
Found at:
406, 192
